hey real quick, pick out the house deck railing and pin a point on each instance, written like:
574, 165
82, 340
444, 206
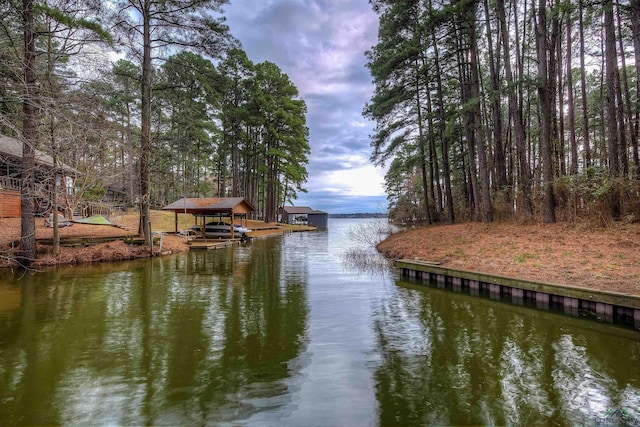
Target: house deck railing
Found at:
43, 200
9, 183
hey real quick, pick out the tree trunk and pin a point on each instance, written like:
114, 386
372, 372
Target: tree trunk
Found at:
499, 149
559, 138
611, 68
573, 168
54, 204
145, 128
622, 129
546, 115
464, 73
433, 160
444, 143
30, 134
474, 87
515, 111
53, 146
635, 27
270, 196
235, 170
624, 108
423, 154
583, 85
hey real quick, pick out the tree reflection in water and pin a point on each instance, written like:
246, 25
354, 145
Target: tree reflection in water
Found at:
450, 359
286, 331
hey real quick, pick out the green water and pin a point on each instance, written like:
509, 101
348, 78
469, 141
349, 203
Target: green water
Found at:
283, 331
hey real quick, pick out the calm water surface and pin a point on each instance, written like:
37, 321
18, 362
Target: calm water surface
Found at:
283, 331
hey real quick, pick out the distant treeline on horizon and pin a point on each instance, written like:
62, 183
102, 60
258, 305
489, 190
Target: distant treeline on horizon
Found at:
359, 215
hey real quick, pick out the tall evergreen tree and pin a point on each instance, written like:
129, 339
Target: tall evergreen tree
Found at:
189, 99
285, 140
237, 72
152, 26
398, 104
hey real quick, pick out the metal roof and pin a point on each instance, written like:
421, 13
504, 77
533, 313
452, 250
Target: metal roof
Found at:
301, 210
213, 204
13, 148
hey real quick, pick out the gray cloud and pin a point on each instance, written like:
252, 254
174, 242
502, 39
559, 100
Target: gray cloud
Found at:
320, 45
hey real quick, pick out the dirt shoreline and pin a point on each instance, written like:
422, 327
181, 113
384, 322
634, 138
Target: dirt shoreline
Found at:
562, 254
116, 250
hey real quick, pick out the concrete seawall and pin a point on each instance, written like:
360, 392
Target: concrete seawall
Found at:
610, 307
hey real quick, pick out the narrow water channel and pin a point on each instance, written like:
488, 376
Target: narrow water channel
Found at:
284, 331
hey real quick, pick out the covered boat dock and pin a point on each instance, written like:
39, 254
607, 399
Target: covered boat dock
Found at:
234, 208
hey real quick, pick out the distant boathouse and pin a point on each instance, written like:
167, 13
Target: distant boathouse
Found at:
305, 214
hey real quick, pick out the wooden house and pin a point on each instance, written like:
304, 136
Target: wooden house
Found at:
11, 179
116, 195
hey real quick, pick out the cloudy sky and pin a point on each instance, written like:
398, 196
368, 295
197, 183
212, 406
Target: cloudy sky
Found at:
320, 45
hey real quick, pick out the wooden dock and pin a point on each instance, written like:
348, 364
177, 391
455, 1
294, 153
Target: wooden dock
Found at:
604, 305
208, 245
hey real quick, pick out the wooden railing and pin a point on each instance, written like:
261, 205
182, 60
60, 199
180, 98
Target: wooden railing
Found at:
86, 209
10, 183
43, 200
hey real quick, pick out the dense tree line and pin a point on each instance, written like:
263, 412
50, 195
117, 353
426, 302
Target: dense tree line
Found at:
507, 109
184, 113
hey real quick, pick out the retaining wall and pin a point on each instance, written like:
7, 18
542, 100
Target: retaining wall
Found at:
606, 306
